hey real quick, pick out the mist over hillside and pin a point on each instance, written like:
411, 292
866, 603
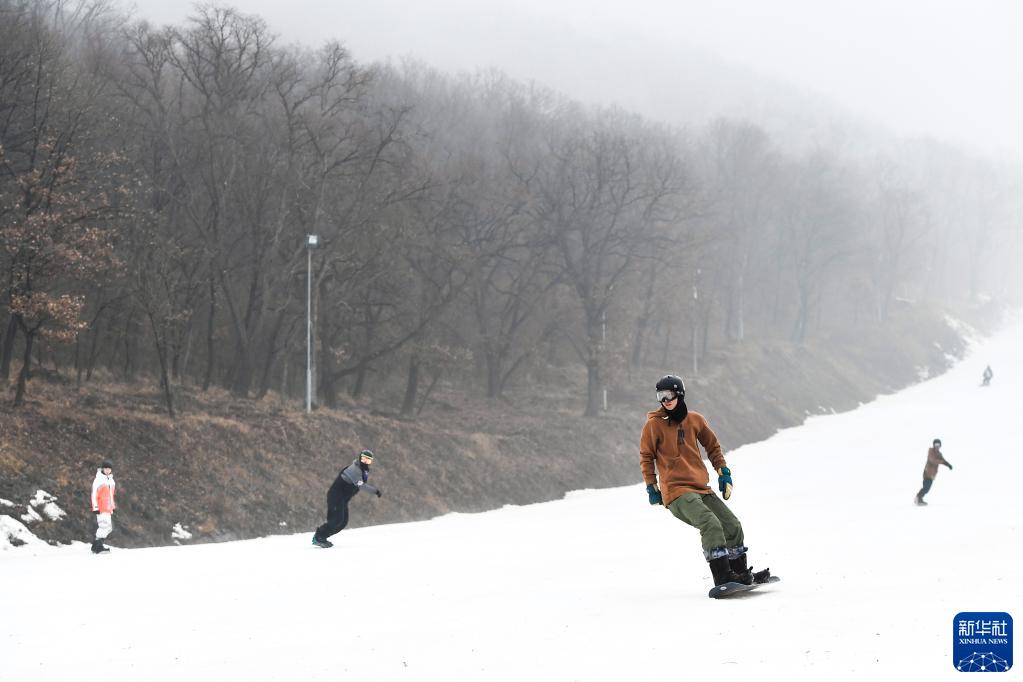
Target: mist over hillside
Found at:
918, 69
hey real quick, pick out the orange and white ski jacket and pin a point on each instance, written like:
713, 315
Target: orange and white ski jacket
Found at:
103, 493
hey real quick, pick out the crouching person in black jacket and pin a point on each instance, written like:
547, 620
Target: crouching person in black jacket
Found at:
350, 481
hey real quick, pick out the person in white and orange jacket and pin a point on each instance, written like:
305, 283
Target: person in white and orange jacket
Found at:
103, 505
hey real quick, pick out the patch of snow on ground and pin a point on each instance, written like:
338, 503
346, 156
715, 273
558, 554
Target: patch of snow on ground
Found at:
31, 515
49, 505
13, 533
968, 332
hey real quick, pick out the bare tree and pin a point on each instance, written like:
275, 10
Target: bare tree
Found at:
902, 223
603, 194
819, 231
741, 176
56, 203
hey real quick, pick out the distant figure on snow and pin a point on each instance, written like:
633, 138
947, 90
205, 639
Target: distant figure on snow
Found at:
934, 458
676, 477
103, 505
987, 376
350, 481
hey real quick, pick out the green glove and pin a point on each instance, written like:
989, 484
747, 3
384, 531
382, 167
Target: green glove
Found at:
725, 482
654, 494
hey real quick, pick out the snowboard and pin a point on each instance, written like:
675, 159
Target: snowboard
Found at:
728, 589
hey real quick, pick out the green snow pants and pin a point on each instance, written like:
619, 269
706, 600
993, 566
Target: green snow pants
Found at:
720, 532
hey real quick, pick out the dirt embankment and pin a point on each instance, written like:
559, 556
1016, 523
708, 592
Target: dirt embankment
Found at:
231, 469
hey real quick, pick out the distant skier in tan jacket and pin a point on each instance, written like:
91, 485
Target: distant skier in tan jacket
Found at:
934, 458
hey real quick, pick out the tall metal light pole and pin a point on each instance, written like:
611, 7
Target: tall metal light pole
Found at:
312, 241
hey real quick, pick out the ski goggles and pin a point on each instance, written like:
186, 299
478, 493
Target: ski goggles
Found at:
666, 396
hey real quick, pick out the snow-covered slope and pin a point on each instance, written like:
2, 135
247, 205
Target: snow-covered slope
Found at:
599, 586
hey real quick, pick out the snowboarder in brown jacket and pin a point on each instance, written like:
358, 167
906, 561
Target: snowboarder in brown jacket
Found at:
934, 458
676, 477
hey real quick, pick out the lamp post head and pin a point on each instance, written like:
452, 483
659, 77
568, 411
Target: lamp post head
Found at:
312, 241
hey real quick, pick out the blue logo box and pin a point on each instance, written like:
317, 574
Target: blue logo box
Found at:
982, 642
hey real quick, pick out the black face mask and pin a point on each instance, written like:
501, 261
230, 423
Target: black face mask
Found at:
363, 466
679, 413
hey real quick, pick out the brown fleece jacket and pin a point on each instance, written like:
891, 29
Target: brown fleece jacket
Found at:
673, 449
934, 458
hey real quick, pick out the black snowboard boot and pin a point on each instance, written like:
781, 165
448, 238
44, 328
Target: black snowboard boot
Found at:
741, 570
321, 542
723, 573
98, 547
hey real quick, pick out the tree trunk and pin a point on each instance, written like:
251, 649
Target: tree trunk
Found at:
210, 340
735, 325
8, 351
325, 383
493, 369
129, 348
179, 354
26, 368
271, 356
592, 388
93, 348
359, 385
285, 389
411, 387
802, 317
78, 361
162, 353
426, 394
369, 323
243, 371
187, 354
643, 320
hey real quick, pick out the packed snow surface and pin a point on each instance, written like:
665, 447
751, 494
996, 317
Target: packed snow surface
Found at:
598, 586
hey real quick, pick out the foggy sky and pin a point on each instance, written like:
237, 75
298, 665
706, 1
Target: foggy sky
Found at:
944, 68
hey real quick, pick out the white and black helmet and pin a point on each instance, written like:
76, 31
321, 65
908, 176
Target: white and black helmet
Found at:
669, 387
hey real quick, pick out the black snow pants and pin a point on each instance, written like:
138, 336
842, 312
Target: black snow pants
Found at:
337, 509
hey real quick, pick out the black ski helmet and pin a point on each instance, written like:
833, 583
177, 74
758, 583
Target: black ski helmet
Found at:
107, 464
671, 382
936, 443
